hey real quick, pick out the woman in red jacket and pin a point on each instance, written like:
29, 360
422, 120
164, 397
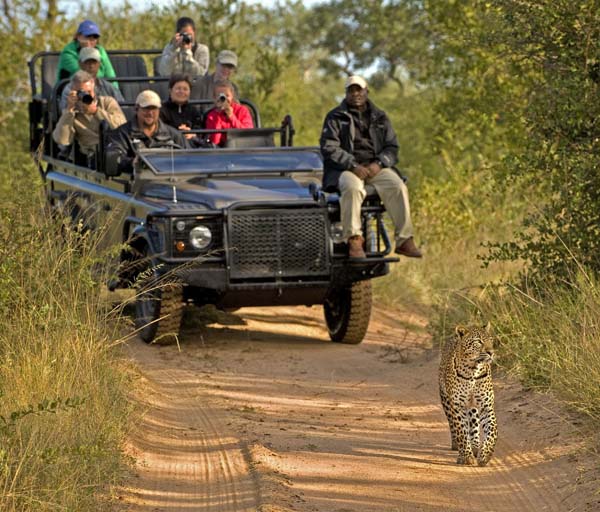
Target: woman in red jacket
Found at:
227, 113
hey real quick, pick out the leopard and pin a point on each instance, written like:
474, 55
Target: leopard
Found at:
467, 393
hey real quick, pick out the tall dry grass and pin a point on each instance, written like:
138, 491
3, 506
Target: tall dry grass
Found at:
63, 410
549, 337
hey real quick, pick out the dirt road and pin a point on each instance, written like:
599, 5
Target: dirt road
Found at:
262, 413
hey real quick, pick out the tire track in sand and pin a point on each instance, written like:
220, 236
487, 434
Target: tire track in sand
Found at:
186, 458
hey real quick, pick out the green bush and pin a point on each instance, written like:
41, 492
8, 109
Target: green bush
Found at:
63, 408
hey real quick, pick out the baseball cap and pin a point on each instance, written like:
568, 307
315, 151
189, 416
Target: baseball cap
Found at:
356, 80
89, 54
88, 28
148, 98
227, 57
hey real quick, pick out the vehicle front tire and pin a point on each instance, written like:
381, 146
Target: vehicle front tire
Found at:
158, 307
348, 311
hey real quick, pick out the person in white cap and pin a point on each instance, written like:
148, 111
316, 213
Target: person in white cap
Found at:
146, 129
81, 118
184, 54
359, 148
89, 61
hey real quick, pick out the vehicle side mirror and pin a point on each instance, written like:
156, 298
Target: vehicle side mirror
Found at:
111, 163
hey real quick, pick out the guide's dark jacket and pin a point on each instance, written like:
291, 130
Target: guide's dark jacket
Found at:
337, 142
123, 139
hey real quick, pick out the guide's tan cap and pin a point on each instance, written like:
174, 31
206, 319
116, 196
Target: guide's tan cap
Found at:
148, 98
356, 80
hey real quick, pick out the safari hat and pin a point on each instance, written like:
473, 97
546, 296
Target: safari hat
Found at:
89, 54
227, 57
148, 98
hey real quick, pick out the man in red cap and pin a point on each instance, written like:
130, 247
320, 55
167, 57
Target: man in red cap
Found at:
360, 148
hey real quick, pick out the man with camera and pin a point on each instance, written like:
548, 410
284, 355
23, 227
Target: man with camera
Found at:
89, 60
184, 54
80, 120
227, 113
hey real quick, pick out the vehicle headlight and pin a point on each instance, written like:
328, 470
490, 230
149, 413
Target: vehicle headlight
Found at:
337, 232
200, 237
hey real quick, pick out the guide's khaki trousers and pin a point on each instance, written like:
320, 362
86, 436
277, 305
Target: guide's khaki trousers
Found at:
393, 194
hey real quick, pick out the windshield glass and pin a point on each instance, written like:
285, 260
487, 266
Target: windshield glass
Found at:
224, 161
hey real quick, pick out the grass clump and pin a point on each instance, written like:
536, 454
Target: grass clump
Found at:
63, 410
550, 337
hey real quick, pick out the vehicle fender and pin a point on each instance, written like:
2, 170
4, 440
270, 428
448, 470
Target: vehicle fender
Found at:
136, 235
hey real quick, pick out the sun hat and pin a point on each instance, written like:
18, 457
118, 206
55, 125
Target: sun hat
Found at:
356, 80
148, 98
227, 57
89, 54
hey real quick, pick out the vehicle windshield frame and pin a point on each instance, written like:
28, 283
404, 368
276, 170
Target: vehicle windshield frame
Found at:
195, 162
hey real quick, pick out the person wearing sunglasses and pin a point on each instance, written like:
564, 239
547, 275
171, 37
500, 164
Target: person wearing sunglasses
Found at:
87, 36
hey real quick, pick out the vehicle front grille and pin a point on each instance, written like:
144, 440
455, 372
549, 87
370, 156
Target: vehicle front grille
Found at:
278, 243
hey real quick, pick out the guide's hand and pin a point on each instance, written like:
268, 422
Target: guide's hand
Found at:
374, 169
361, 171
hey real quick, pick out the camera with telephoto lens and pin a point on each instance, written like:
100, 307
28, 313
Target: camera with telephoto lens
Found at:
222, 98
85, 97
186, 38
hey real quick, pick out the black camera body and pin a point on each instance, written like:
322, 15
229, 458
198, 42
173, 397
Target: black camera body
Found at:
186, 38
85, 97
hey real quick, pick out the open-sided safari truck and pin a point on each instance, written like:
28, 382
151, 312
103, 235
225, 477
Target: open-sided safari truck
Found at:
244, 225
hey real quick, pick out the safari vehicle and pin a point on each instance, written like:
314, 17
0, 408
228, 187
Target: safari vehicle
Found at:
244, 225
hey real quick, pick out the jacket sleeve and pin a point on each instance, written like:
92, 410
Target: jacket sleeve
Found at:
331, 146
389, 150
180, 139
110, 111
68, 62
213, 123
64, 132
118, 142
202, 58
242, 118
167, 60
106, 68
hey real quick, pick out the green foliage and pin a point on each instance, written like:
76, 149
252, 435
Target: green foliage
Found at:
63, 410
552, 48
548, 336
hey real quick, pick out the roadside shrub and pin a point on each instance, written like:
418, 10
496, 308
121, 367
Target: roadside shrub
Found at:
63, 409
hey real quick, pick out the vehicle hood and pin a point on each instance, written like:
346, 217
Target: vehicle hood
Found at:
220, 193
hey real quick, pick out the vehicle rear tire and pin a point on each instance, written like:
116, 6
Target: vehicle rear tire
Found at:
348, 311
158, 307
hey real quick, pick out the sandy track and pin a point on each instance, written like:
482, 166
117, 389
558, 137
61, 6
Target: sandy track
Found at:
266, 414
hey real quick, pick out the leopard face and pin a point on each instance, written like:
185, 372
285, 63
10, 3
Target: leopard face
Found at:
475, 348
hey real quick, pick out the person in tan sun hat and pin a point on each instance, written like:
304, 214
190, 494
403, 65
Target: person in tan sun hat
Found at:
359, 148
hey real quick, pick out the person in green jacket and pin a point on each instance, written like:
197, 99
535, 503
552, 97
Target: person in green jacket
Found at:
87, 36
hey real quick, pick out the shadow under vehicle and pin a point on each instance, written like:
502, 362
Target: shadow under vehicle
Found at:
244, 225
